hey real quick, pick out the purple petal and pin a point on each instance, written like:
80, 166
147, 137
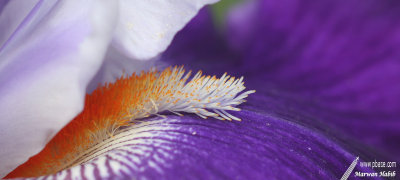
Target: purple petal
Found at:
336, 56
200, 46
268, 144
334, 49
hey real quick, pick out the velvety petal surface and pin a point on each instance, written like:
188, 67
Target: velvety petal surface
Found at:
340, 55
48, 56
337, 56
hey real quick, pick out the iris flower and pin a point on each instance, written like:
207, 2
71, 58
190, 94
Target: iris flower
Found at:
326, 74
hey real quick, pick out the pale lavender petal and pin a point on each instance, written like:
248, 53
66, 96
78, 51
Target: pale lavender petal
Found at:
12, 15
46, 64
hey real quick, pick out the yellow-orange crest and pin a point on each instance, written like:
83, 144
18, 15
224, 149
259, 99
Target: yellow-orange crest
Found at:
115, 105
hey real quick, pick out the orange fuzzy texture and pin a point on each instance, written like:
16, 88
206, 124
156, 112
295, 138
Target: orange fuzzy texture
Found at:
106, 109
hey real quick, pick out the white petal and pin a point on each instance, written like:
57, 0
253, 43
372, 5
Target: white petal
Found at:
146, 27
44, 70
116, 65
